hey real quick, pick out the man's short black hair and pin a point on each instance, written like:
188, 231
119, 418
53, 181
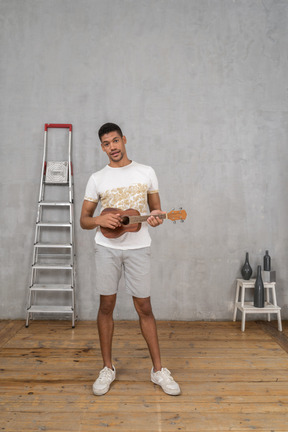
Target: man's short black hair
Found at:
107, 128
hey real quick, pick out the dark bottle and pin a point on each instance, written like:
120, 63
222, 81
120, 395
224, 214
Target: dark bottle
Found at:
267, 261
259, 290
246, 270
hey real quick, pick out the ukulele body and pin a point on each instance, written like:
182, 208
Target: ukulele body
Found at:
126, 225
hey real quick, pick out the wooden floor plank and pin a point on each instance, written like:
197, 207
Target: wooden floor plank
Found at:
144, 421
130, 389
230, 380
197, 351
136, 403
139, 345
205, 362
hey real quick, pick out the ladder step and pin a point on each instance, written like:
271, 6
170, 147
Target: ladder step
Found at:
51, 287
52, 266
50, 309
62, 183
53, 245
55, 203
54, 224
54, 258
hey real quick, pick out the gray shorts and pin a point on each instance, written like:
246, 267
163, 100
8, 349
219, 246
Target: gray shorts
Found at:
135, 265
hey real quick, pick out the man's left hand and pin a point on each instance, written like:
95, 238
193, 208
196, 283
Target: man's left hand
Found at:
154, 220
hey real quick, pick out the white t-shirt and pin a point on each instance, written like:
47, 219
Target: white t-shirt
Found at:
123, 188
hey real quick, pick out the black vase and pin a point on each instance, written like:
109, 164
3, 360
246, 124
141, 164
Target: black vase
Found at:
259, 290
267, 262
246, 270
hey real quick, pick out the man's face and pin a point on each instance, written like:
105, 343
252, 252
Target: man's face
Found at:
114, 146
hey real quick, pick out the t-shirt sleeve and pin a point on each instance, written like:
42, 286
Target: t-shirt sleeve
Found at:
153, 188
91, 193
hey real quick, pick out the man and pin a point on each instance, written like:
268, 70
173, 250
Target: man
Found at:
123, 184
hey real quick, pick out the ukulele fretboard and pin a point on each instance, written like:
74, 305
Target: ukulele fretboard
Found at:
140, 219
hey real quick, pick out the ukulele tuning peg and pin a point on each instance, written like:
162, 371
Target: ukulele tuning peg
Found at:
174, 222
182, 220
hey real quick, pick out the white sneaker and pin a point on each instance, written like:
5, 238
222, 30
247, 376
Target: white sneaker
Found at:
164, 379
102, 383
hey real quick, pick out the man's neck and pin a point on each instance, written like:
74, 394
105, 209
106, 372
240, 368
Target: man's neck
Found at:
124, 162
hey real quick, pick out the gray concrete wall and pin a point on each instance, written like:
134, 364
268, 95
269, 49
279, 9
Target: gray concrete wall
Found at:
200, 90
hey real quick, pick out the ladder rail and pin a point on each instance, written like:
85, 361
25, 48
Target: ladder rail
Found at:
70, 168
71, 200
41, 191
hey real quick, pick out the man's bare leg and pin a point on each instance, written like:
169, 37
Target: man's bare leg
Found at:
105, 324
149, 329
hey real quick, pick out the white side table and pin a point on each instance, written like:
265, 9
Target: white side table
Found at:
247, 307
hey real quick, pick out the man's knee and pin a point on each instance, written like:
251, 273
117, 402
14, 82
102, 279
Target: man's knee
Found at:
143, 306
107, 304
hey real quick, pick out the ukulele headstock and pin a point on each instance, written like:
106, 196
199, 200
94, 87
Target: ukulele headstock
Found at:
176, 215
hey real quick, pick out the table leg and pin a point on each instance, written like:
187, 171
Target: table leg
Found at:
236, 301
243, 321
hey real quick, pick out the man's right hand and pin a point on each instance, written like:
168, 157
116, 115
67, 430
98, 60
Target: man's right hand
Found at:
109, 220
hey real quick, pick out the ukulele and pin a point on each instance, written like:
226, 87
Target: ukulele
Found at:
131, 220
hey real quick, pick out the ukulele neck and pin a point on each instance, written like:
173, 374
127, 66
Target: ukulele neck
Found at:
140, 219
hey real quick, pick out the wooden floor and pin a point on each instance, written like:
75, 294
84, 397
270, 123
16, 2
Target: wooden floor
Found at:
230, 380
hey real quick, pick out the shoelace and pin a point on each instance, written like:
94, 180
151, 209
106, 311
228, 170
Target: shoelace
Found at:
166, 373
105, 373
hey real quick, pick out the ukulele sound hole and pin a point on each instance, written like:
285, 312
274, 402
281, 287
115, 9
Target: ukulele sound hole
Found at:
125, 220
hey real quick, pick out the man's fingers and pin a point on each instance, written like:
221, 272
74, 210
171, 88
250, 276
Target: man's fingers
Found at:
154, 221
112, 220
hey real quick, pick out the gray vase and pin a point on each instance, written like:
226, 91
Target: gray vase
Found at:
259, 290
246, 270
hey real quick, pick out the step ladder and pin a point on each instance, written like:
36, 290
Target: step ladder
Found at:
52, 285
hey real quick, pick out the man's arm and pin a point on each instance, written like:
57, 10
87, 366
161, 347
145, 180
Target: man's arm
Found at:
87, 221
155, 208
